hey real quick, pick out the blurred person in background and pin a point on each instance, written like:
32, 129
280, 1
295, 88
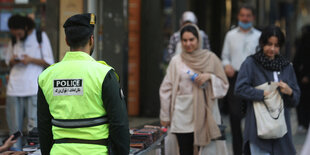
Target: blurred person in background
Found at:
27, 57
190, 111
175, 46
302, 69
265, 66
239, 43
306, 148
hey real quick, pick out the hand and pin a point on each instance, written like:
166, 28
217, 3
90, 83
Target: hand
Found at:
7, 153
266, 93
14, 60
9, 142
285, 89
305, 80
26, 59
202, 78
229, 70
165, 123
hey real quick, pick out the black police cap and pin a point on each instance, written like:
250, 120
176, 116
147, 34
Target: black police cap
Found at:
86, 20
80, 26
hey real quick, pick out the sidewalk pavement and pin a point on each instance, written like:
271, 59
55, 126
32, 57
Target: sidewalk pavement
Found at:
139, 122
298, 138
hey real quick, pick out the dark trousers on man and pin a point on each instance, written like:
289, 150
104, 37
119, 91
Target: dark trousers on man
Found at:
236, 112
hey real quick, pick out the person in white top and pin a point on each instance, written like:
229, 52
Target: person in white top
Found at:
239, 43
27, 57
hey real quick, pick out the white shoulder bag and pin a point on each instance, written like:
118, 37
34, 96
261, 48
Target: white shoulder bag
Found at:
269, 113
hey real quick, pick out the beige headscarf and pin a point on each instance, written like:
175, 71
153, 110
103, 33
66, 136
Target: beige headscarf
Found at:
203, 61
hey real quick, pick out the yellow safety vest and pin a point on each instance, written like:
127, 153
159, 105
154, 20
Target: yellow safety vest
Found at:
73, 91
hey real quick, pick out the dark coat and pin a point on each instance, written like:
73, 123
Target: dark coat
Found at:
250, 76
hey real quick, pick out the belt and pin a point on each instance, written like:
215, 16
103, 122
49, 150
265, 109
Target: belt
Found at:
83, 141
79, 123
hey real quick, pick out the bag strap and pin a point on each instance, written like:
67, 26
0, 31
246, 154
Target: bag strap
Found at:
39, 39
39, 36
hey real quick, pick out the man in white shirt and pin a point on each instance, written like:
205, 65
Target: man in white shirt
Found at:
27, 57
239, 43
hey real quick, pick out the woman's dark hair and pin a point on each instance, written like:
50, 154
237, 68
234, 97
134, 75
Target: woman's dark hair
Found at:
268, 32
189, 28
20, 22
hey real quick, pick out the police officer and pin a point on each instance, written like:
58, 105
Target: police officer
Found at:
81, 109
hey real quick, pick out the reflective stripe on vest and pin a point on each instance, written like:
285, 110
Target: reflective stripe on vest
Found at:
79, 123
82, 141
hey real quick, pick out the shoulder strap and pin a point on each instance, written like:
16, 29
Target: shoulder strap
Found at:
39, 36
39, 39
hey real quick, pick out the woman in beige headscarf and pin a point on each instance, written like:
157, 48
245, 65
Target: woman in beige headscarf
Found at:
190, 116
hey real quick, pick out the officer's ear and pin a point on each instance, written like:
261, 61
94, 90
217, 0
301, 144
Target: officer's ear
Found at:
91, 40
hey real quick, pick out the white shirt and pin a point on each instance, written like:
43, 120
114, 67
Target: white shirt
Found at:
239, 45
23, 78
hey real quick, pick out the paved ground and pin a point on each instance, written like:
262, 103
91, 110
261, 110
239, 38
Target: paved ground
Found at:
298, 138
137, 122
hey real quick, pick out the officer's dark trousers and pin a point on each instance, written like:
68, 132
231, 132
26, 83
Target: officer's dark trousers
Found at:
186, 143
236, 115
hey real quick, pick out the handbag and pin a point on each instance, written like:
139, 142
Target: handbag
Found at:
221, 126
269, 114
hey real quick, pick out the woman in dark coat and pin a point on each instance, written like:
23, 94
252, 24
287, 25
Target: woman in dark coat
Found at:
264, 66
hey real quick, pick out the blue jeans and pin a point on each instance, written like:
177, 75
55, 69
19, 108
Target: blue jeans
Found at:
257, 151
17, 108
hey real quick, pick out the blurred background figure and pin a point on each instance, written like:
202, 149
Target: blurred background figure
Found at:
306, 148
174, 46
267, 65
27, 55
239, 43
302, 68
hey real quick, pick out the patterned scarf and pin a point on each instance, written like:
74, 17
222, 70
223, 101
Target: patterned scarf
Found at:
276, 64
